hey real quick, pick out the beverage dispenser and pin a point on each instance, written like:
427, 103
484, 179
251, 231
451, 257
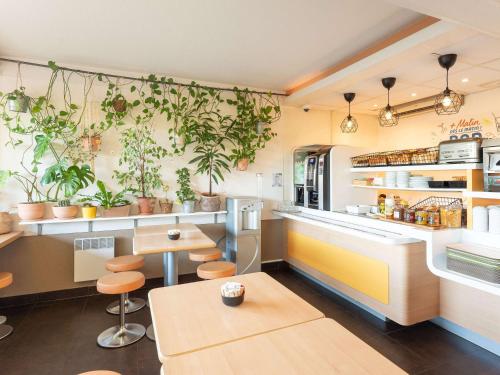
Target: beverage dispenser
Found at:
243, 235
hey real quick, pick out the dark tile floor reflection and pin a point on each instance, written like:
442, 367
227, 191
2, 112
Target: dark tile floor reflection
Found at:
60, 337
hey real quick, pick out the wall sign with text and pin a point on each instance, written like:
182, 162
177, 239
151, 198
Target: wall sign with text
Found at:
486, 127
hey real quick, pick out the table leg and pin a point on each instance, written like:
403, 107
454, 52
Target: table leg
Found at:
172, 268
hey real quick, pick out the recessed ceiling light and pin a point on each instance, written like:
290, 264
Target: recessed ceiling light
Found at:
413, 94
375, 105
465, 80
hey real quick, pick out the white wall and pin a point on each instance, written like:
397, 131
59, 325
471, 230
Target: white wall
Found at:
294, 128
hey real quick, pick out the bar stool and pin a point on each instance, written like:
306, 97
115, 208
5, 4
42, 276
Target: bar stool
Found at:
5, 330
125, 333
205, 255
215, 270
122, 264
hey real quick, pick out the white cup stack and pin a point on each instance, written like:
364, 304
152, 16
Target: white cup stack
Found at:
480, 219
390, 179
494, 219
402, 179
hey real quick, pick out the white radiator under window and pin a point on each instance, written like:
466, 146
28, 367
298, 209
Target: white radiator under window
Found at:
91, 255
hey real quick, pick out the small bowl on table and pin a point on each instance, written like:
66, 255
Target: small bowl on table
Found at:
233, 301
230, 295
174, 234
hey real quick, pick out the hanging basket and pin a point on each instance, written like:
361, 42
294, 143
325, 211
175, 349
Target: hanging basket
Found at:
119, 105
242, 164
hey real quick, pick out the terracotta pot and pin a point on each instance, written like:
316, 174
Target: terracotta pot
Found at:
188, 207
243, 164
120, 105
118, 211
146, 205
89, 212
31, 211
165, 206
5, 223
66, 212
92, 143
209, 203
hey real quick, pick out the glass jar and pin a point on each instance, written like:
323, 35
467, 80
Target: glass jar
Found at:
433, 217
454, 217
421, 216
389, 207
409, 215
443, 211
398, 213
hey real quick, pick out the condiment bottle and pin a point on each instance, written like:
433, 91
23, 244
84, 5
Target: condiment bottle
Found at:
389, 208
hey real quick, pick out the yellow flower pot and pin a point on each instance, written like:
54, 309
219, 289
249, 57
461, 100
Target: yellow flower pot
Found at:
89, 212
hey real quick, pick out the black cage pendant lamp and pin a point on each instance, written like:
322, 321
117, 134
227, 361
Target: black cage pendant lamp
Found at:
388, 116
448, 102
349, 124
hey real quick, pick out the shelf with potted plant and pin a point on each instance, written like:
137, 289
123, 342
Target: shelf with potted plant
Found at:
185, 194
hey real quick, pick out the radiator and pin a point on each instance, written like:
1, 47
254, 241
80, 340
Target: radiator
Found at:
91, 255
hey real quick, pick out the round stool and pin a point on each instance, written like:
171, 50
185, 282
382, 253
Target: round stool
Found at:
122, 264
100, 372
216, 270
125, 333
5, 330
205, 255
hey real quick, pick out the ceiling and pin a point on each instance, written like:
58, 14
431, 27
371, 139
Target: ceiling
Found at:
259, 43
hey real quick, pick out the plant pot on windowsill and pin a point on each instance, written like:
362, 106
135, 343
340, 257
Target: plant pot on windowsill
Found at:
242, 164
89, 211
209, 203
65, 210
146, 205
31, 210
188, 207
117, 211
165, 206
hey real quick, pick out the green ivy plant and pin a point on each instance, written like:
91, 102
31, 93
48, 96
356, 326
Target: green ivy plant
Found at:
185, 193
105, 198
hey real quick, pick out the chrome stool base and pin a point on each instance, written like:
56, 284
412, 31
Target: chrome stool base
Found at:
131, 305
5, 330
150, 333
3, 319
117, 337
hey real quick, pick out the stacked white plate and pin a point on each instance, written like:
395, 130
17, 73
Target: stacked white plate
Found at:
402, 179
390, 179
420, 182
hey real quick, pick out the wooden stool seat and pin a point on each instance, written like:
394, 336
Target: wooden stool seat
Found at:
205, 255
125, 263
100, 372
216, 270
5, 279
121, 282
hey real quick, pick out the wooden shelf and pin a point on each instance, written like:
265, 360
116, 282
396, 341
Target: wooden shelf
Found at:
409, 189
133, 217
482, 194
430, 167
8, 238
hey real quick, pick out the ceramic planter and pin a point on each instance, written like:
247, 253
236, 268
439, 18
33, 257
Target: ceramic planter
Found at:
146, 205
165, 206
118, 211
209, 203
65, 212
5, 223
120, 105
19, 104
188, 207
242, 164
89, 212
31, 211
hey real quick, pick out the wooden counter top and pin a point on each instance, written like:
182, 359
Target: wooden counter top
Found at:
8, 238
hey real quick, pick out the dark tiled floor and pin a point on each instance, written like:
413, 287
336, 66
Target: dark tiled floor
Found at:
59, 338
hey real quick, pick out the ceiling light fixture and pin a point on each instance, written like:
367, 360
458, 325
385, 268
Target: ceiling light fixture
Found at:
349, 124
448, 102
465, 80
413, 94
388, 116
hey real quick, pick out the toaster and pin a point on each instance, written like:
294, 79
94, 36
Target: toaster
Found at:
466, 150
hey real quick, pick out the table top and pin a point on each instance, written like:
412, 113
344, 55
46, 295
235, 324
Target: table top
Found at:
8, 238
153, 239
320, 346
191, 317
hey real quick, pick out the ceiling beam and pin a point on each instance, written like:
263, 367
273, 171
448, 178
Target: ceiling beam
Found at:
404, 32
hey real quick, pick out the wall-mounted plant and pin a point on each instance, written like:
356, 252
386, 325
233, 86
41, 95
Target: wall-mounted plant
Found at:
112, 205
185, 194
140, 158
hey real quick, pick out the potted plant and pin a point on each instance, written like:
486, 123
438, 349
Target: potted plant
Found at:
112, 205
140, 157
89, 211
66, 181
18, 101
185, 194
166, 204
119, 103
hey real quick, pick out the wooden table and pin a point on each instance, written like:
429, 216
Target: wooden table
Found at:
8, 238
317, 347
191, 317
153, 239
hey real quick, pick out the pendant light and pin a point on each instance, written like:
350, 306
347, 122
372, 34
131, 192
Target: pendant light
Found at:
388, 116
349, 124
448, 102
